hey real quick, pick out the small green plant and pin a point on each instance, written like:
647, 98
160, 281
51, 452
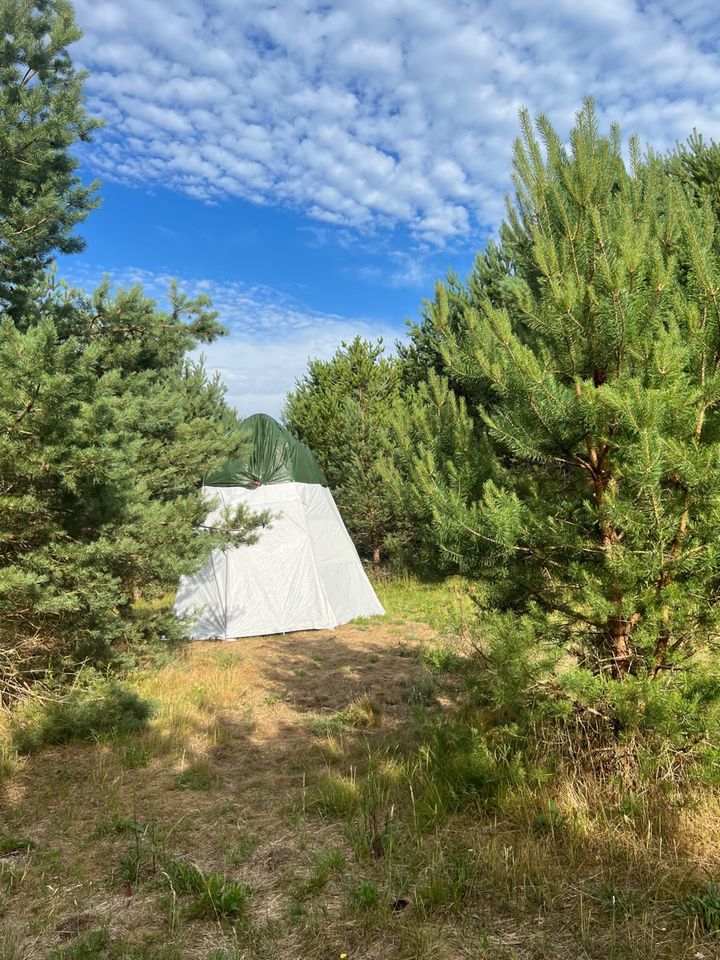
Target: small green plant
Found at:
141, 861
214, 896
11, 844
703, 905
550, 821
199, 775
365, 895
135, 756
116, 824
98, 710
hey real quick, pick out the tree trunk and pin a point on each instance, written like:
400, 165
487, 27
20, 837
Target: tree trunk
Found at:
619, 631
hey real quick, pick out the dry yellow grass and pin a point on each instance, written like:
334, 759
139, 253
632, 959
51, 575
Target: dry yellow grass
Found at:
282, 763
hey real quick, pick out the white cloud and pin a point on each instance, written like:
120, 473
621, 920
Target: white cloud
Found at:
383, 112
271, 335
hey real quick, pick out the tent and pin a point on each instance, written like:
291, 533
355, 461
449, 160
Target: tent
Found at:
302, 574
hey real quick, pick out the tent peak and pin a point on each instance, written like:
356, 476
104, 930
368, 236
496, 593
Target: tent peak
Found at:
270, 454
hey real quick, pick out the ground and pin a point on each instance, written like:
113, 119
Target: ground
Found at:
268, 811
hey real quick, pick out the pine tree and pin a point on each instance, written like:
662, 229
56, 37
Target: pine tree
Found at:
599, 510
106, 428
43, 116
430, 436
102, 447
490, 279
341, 409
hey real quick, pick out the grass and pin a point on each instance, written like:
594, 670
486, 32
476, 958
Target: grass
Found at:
444, 605
91, 710
314, 795
212, 895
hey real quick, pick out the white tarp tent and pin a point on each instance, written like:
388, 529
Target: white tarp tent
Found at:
304, 572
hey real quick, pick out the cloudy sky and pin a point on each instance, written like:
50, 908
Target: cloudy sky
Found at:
315, 165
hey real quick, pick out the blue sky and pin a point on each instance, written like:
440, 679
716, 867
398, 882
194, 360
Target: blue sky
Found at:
315, 165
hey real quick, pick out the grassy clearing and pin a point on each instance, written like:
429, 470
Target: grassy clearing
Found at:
313, 795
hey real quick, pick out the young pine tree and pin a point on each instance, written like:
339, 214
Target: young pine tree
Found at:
598, 514
341, 409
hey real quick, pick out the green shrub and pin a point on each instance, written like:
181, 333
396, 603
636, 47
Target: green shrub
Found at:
549, 821
643, 726
100, 709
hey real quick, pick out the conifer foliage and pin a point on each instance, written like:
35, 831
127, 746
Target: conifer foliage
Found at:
43, 114
106, 428
598, 513
342, 409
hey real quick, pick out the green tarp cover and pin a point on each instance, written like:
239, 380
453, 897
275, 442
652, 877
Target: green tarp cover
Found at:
273, 456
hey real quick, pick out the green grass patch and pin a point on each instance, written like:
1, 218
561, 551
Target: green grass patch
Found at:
703, 907
12, 844
101, 710
100, 945
445, 605
198, 775
213, 896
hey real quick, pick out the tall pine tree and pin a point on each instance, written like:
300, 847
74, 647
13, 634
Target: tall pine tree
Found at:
106, 428
43, 116
598, 514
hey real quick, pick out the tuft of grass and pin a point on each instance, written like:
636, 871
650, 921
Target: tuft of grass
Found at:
442, 658
445, 886
333, 795
10, 761
363, 713
88, 947
213, 896
703, 905
550, 821
12, 844
114, 824
198, 775
104, 709
135, 756
326, 864
99, 945
364, 896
